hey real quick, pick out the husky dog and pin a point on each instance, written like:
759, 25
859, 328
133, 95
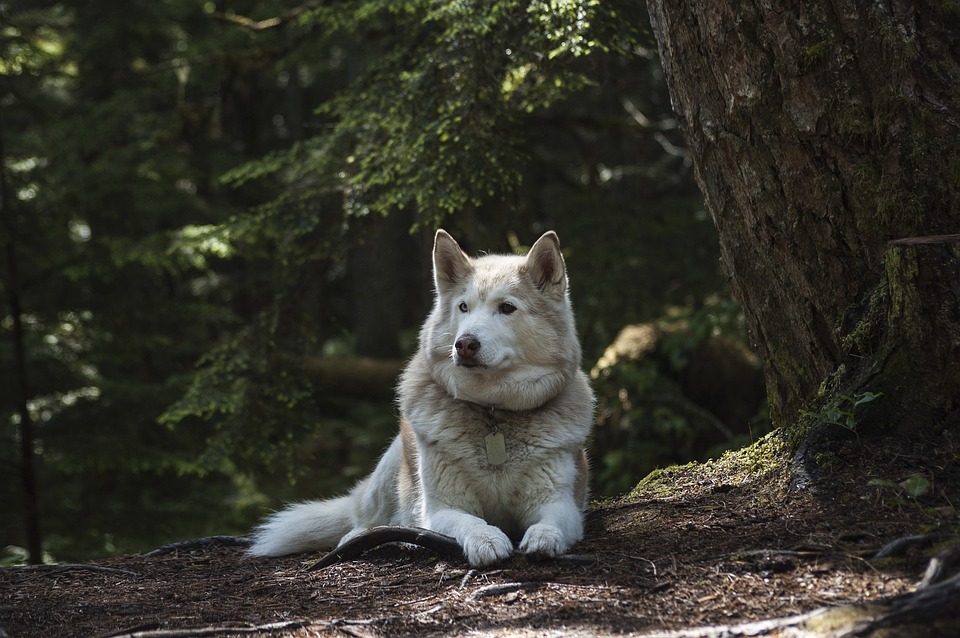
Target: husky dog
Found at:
495, 415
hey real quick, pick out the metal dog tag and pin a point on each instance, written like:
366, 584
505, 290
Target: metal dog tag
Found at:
496, 449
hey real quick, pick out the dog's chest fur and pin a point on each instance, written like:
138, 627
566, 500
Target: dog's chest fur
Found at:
465, 435
450, 443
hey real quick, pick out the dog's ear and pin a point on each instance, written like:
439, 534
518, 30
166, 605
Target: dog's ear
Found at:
450, 263
546, 267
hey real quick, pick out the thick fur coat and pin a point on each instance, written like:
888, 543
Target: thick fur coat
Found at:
495, 415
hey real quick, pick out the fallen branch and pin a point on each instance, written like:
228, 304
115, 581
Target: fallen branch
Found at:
496, 590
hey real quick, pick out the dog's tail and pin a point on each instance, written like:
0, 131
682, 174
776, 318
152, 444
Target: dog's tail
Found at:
303, 527
314, 525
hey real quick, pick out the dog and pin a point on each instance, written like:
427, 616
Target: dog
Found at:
495, 416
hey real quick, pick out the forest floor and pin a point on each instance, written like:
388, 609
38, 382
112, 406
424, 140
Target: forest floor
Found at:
719, 543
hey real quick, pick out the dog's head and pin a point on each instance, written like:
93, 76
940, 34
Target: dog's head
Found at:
501, 332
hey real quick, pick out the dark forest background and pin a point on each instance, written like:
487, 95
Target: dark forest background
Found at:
216, 221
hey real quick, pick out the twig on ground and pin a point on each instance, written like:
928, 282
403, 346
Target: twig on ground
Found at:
466, 578
496, 590
653, 565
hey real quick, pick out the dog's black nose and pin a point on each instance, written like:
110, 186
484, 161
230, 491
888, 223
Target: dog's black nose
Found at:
467, 346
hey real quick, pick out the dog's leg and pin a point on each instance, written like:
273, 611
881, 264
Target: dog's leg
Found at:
555, 528
482, 544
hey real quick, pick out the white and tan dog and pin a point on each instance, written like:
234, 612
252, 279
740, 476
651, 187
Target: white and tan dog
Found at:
495, 417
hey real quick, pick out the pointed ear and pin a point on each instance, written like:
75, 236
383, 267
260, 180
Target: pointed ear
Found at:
450, 263
546, 267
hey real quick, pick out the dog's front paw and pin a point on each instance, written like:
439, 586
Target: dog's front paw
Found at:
486, 545
544, 540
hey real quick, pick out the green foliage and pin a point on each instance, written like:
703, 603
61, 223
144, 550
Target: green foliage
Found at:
913, 491
914, 486
103, 173
198, 206
656, 409
435, 117
718, 316
244, 388
842, 411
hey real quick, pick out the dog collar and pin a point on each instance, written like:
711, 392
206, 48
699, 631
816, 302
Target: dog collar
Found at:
494, 442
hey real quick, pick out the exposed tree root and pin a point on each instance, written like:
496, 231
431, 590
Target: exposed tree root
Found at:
376, 536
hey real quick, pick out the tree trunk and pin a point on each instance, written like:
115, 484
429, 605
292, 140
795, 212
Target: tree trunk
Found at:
821, 131
380, 267
11, 285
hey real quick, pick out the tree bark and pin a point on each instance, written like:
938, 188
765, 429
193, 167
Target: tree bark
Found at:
821, 131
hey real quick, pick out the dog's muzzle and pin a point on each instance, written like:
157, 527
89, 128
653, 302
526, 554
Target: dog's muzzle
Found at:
466, 348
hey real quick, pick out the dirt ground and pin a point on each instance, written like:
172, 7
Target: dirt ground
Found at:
720, 543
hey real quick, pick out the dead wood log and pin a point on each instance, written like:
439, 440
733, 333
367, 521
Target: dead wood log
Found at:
361, 377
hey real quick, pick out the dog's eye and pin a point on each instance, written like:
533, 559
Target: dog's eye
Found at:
463, 306
507, 308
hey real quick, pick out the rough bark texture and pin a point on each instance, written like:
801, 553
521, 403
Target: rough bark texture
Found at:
821, 131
